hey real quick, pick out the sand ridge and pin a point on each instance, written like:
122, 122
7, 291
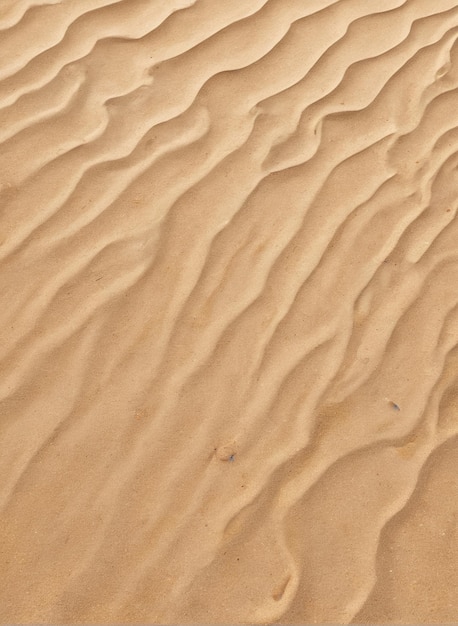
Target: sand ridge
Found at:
228, 361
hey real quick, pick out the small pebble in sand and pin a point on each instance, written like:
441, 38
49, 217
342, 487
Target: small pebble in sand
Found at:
226, 452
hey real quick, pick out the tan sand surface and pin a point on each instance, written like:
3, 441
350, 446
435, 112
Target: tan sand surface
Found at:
229, 311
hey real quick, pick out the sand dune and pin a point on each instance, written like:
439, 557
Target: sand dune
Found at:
229, 324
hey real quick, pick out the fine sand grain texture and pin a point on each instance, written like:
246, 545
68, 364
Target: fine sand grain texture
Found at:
229, 311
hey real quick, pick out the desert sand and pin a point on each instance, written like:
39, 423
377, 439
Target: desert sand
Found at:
229, 316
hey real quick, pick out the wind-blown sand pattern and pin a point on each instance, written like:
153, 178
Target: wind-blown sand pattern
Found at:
229, 318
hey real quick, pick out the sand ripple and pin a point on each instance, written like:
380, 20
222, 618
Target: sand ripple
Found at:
230, 317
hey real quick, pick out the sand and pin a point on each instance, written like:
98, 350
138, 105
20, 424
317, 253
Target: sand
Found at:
229, 314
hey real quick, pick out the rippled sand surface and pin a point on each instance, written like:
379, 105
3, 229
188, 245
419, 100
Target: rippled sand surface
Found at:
229, 311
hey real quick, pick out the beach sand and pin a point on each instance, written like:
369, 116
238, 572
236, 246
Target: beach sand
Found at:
229, 311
